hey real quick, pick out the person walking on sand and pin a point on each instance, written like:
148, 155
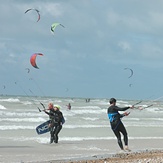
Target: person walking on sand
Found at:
57, 120
116, 123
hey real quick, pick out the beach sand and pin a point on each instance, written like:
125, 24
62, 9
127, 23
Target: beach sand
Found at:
147, 156
90, 151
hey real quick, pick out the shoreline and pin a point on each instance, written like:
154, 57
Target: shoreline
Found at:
90, 151
144, 156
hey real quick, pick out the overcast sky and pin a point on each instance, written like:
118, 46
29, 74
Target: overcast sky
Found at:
87, 58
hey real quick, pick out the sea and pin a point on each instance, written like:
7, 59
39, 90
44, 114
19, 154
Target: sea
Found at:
87, 120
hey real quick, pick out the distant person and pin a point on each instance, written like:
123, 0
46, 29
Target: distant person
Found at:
57, 121
69, 106
87, 100
116, 123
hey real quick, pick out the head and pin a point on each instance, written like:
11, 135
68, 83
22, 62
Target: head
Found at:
50, 106
112, 101
56, 107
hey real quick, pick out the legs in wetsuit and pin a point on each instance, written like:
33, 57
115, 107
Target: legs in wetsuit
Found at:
51, 134
56, 131
121, 129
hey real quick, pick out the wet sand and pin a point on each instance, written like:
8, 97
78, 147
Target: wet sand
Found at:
90, 151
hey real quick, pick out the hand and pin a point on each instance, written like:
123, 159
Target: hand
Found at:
126, 113
140, 108
132, 107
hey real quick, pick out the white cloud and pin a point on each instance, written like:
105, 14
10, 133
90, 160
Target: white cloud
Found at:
124, 45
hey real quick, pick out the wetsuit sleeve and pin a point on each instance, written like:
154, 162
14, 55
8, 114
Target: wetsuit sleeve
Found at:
62, 119
121, 109
122, 115
48, 113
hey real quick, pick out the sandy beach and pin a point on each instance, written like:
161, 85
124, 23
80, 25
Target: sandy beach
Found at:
89, 151
147, 156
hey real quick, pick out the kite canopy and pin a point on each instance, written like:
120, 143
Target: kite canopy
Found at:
34, 10
33, 59
54, 25
130, 70
28, 70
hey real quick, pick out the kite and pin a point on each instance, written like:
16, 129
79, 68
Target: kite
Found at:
130, 70
34, 10
54, 25
33, 59
28, 70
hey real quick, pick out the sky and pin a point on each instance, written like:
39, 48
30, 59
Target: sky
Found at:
88, 57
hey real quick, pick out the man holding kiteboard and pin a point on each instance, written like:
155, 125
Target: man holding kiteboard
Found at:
57, 120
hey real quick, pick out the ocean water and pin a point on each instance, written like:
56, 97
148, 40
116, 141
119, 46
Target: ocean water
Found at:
19, 117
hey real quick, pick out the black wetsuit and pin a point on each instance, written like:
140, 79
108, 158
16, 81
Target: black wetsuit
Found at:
116, 123
56, 124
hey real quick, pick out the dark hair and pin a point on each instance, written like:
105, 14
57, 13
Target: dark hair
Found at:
112, 100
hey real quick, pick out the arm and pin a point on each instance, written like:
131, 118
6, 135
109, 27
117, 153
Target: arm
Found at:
48, 113
121, 109
124, 114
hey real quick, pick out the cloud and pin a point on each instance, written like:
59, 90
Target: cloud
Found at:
124, 45
99, 38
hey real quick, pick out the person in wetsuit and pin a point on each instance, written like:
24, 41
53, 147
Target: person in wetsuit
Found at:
57, 121
116, 123
69, 106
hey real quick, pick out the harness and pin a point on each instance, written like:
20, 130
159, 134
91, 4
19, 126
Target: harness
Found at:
112, 116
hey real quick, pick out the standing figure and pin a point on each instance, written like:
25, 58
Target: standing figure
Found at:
69, 106
57, 121
116, 123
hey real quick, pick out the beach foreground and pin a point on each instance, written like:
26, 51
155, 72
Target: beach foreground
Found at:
90, 151
147, 156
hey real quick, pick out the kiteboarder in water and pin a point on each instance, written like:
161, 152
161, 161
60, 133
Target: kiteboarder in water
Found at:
57, 120
116, 123
69, 106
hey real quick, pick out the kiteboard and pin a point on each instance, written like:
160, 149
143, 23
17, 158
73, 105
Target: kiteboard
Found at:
43, 128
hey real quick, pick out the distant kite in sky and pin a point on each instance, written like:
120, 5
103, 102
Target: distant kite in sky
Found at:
34, 10
33, 59
130, 71
54, 25
28, 70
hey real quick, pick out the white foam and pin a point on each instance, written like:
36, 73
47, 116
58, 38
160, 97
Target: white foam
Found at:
15, 127
45, 140
87, 111
90, 119
10, 100
85, 126
21, 114
2, 107
23, 119
27, 103
87, 107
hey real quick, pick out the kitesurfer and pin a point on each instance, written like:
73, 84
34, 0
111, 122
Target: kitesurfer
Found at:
57, 120
69, 106
116, 123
